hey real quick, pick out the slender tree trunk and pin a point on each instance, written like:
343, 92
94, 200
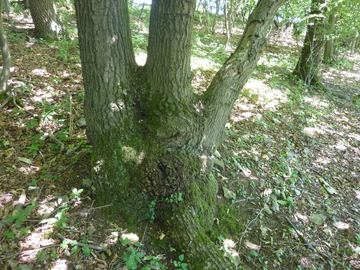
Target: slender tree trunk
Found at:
5, 74
329, 44
217, 2
43, 13
308, 64
141, 12
206, 14
354, 43
227, 25
152, 137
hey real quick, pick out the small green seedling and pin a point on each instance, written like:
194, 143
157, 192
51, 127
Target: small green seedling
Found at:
179, 264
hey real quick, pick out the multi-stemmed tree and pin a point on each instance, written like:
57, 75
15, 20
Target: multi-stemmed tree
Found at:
151, 135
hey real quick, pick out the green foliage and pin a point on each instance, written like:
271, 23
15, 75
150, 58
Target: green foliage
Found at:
19, 216
36, 143
357, 239
41, 254
54, 255
180, 264
86, 250
133, 257
176, 198
9, 235
151, 214
75, 193
221, 239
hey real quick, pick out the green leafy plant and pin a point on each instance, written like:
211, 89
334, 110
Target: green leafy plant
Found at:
180, 264
289, 201
36, 142
177, 197
75, 193
133, 257
9, 235
19, 216
357, 239
54, 255
33, 183
221, 239
151, 214
41, 254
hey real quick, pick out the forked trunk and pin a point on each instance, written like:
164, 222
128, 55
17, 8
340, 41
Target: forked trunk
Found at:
152, 137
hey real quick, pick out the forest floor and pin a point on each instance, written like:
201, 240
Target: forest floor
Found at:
288, 172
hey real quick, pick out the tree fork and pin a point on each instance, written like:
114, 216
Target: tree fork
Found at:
151, 135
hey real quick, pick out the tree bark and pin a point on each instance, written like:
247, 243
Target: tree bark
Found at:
151, 136
308, 64
329, 43
5, 74
43, 13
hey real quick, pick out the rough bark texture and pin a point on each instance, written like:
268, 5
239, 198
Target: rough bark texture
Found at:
5, 74
329, 44
151, 135
308, 64
43, 13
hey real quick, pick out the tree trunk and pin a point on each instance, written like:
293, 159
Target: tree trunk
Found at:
152, 137
206, 14
217, 3
5, 74
329, 44
308, 64
141, 12
354, 43
43, 13
227, 25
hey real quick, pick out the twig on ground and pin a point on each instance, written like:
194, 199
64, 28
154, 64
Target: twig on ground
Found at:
247, 228
87, 209
27, 251
84, 245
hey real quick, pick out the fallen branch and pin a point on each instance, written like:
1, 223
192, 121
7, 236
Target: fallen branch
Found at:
84, 245
27, 251
87, 209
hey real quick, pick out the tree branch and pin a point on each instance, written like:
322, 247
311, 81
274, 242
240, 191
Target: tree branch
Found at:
231, 78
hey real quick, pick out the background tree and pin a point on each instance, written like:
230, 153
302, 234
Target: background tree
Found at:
45, 18
308, 64
329, 44
5, 74
217, 9
152, 137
